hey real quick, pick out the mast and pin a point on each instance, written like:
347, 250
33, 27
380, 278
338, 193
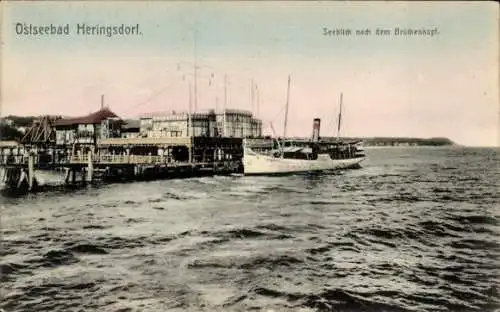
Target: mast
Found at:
275, 138
252, 95
258, 100
286, 110
272, 129
190, 122
225, 106
217, 110
102, 101
340, 118
195, 70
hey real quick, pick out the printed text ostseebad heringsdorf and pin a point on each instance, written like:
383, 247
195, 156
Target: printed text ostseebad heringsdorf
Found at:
81, 29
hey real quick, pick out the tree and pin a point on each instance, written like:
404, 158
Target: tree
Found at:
8, 133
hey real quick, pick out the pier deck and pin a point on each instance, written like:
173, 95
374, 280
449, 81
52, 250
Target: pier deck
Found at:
152, 141
122, 159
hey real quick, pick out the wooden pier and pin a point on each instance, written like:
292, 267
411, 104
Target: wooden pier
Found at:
121, 159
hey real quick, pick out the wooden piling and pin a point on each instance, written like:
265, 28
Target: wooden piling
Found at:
83, 174
90, 167
66, 175
31, 170
22, 177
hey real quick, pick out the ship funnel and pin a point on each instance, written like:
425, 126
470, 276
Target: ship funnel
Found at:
316, 127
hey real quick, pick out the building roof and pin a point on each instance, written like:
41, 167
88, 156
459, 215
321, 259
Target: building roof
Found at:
93, 118
202, 112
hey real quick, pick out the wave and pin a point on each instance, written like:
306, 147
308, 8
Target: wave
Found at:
246, 263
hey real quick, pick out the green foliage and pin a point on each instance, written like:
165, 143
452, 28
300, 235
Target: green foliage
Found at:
8, 133
382, 141
21, 121
398, 141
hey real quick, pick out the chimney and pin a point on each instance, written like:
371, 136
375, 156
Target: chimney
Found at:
316, 127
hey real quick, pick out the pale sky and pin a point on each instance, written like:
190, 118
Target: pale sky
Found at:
422, 86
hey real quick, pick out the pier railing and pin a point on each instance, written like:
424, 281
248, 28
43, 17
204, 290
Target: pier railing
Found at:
13, 159
6, 160
119, 159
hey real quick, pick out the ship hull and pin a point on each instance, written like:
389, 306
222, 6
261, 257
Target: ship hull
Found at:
259, 164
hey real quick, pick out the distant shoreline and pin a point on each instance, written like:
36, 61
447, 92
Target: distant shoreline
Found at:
415, 146
397, 141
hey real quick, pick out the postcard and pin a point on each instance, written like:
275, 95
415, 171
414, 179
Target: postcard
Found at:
249, 156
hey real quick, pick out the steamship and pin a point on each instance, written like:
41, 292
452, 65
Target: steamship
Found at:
282, 156
295, 156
